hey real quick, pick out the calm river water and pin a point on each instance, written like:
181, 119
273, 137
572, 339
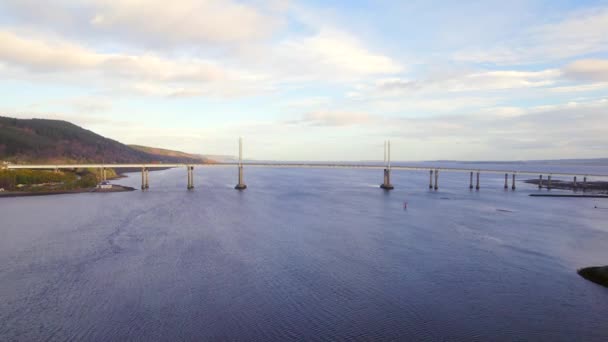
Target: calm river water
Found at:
303, 254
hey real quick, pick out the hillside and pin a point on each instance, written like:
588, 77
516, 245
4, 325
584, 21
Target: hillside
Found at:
53, 141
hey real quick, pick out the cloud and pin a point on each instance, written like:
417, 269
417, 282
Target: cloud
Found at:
187, 46
176, 77
453, 89
588, 70
472, 81
57, 55
578, 34
333, 119
335, 53
549, 128
151, 22
91, 105
556, 125
37, 55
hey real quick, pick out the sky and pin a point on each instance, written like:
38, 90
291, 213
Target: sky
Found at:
317, 80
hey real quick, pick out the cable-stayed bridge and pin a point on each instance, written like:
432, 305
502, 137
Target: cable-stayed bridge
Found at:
510, 174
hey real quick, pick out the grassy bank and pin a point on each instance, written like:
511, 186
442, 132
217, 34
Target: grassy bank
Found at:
47, 180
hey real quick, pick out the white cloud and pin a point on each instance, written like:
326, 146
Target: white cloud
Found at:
56, 55
183, 22
455, 83
151, 22
192, 41
47, 56
578, 34
588, 69
333, 118
179, 77
332, 53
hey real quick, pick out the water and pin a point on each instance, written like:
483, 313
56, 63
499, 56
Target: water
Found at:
303, 254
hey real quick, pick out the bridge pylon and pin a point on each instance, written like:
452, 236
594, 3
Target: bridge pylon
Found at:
386, 185
240, 185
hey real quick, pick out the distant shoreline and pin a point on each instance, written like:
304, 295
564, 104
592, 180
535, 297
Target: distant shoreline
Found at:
569, 195
591, 187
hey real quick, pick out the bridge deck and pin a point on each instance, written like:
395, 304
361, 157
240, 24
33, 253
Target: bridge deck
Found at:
297, 165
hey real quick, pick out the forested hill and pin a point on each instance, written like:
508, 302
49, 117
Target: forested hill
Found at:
56, 141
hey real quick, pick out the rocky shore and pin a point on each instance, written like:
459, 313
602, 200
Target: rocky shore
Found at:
596, 274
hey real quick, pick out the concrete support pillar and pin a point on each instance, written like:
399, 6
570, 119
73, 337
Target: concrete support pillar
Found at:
430, 179
386, 184
540, 181
436, 179
240, 185
471, 181
143, 178
190, 170
147, 179
574, 184
387, 180
585, 183
549, 182
103, 174
477, 186
513, 182
506, 181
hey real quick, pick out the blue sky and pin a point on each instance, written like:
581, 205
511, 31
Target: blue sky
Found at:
317, 80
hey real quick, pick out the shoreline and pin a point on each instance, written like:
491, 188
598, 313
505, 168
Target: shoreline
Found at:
595, 274
115, 188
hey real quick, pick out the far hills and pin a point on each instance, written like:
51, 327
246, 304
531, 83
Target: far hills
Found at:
57, 141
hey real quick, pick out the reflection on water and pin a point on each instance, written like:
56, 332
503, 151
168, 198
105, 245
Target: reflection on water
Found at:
302, 254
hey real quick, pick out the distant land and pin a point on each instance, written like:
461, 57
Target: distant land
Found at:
588, 161
56, 141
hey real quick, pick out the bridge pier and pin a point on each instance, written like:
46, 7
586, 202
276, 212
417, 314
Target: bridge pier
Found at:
431, 179
240, 185
506, 181
386, 184
144, 178
190, 170
549, 182
574, 184
540, 182
471, 181
585, 183
513, 182
477, 186
436, 179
